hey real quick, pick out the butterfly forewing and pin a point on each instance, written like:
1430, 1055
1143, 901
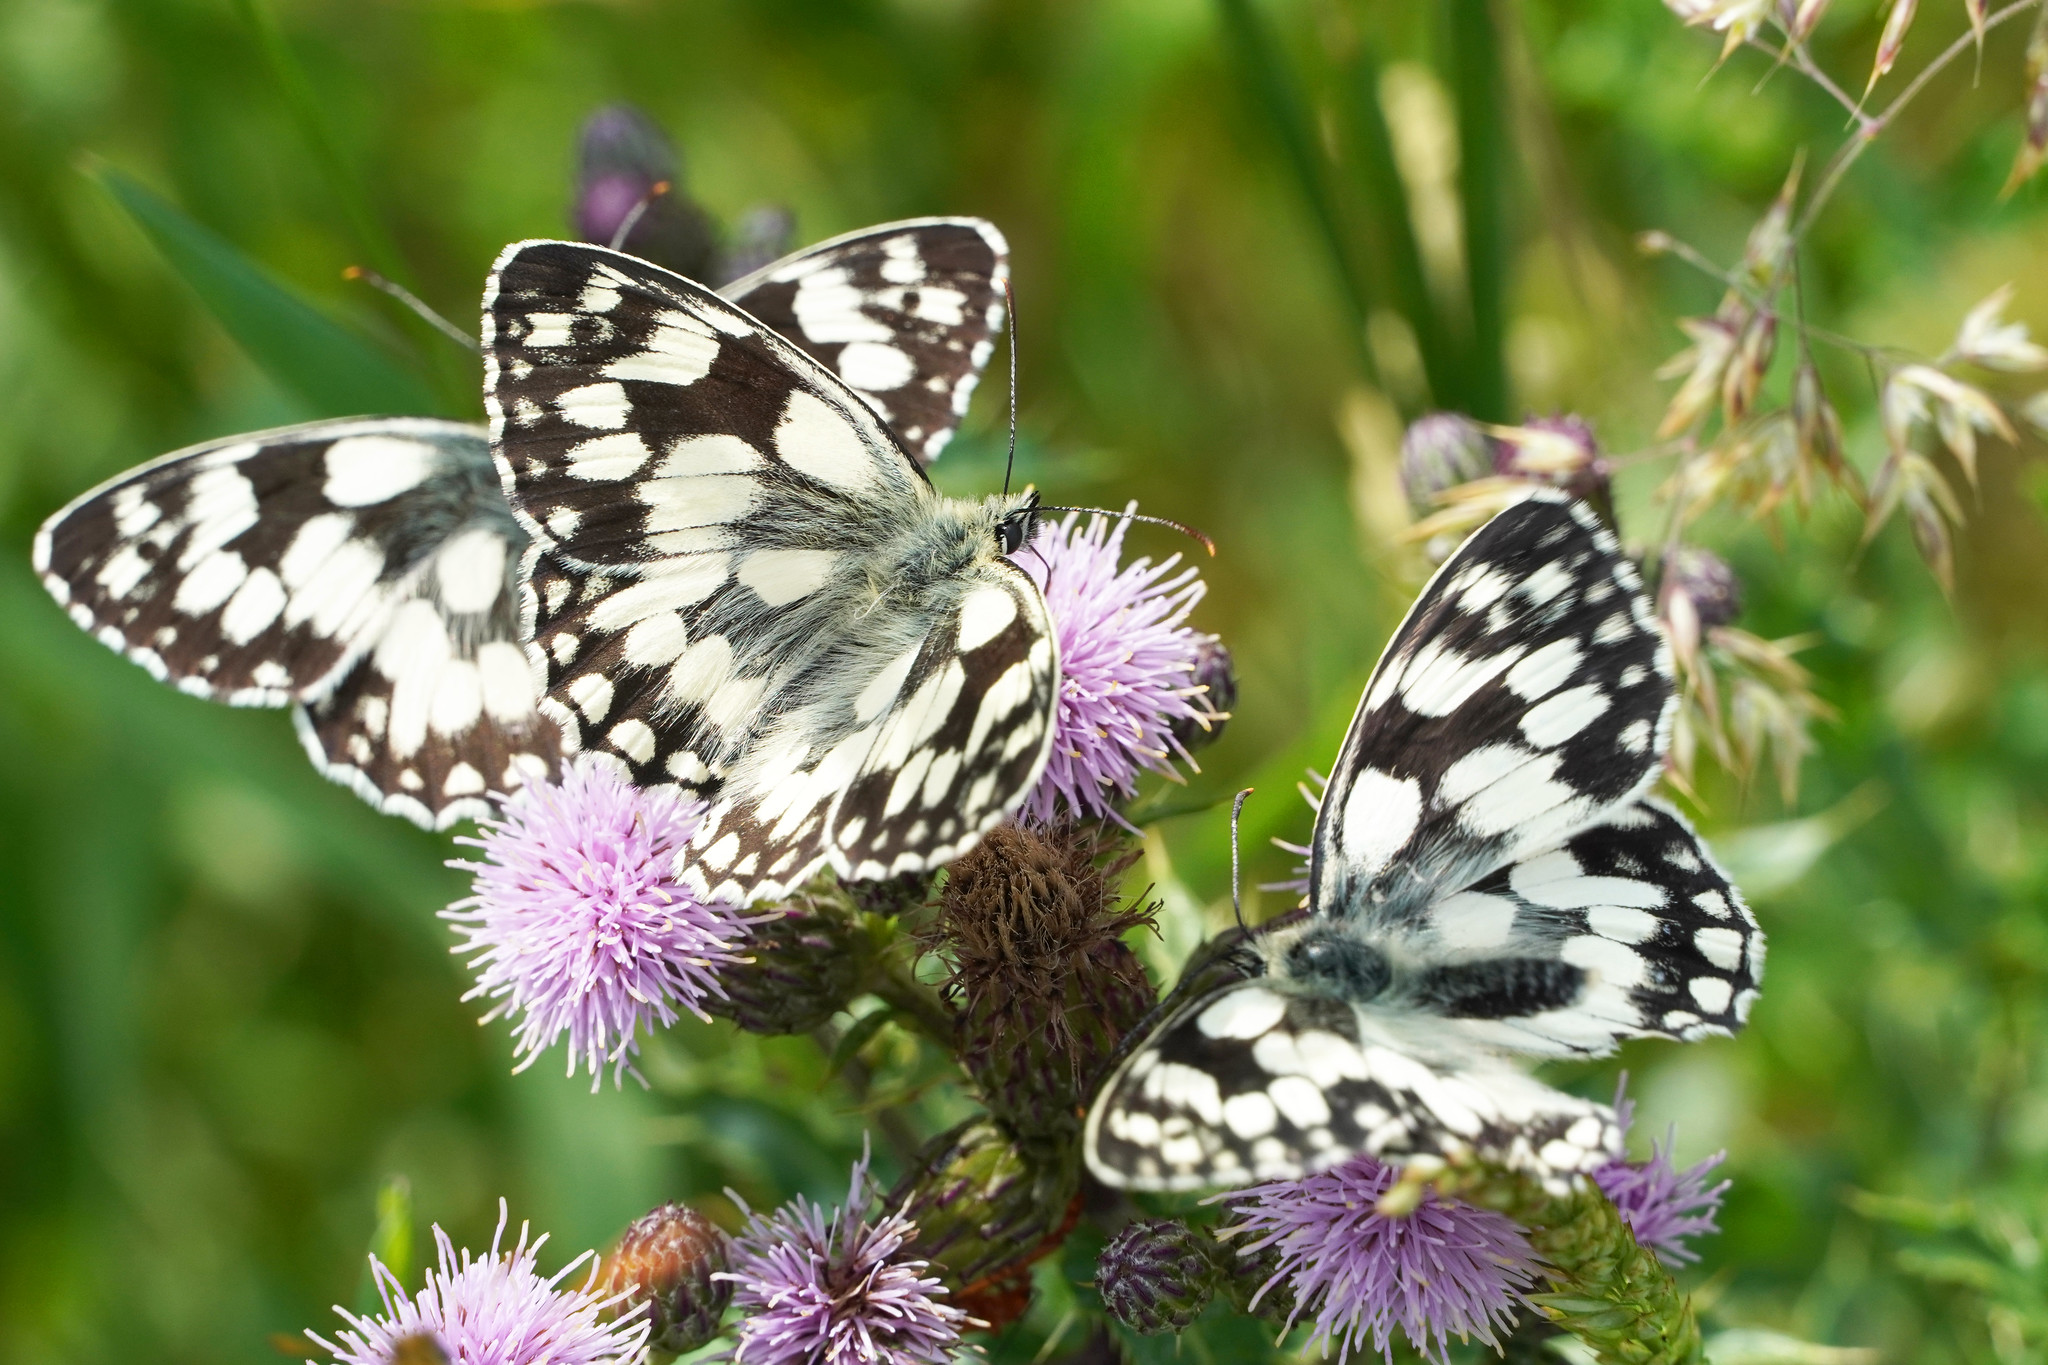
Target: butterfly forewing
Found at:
1527, 692
1254, 1082
637, 417
906, 314
364, 567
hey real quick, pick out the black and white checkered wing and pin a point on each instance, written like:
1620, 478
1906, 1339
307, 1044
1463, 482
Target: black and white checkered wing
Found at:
1628, 929
1527, 692
362, 568
906, 313
734, 587
639, 419
940, 743
1255, 1082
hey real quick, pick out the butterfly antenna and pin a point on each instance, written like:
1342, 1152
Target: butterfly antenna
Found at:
1179, 526
1010, 330
414, 302
1236, 902
636, 213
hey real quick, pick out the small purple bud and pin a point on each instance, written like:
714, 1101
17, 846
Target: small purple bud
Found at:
1562, 452
763, 234
1704, 579
667, 1261
1216, 673
1441, 451
1157, 1275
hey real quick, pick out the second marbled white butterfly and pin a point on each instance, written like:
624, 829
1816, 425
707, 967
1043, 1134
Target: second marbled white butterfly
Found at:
1488, 881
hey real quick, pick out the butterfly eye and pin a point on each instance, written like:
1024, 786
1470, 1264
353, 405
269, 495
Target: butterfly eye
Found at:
1341, 965
1015, 529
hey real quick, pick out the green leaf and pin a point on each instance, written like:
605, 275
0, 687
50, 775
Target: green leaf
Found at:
390, 1240
336, 372
1477, 83
1273, 86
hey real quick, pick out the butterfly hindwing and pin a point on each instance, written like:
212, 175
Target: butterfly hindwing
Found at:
1650, 933
1528, 690
906, 314
364, 568
941, 743
1255, 1082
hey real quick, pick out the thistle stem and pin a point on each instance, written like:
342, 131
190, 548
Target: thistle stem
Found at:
1606, 1289
915, 1002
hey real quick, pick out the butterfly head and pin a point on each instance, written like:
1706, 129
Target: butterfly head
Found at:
1018, 523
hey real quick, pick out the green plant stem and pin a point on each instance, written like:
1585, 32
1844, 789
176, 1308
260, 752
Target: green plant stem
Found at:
1258, 57
891, 981
1873, 125
1606, 1289
1476, 79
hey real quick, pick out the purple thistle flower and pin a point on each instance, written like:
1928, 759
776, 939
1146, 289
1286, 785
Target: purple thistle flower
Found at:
1127, 665
837, 1289
1661, 1204
576, 920
1445, 1269
492, 1310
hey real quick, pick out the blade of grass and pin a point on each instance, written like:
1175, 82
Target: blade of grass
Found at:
1476, 76
1272, 86
304, 107
336, 372
1371, 145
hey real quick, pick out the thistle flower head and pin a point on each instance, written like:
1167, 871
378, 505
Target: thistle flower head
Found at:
838, 1288
1662, 1205
1127, 665
1045, 985
492, 1310
576, 921
1446, 1269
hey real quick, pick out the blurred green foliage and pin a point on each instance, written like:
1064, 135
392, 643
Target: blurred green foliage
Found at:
228, 1015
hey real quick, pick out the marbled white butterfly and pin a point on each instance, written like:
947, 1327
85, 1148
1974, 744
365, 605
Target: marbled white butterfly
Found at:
366, 571
1487, 880
741, 582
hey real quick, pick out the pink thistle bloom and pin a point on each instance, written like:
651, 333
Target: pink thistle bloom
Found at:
576, 921
837, 1289
1447, 1269
1661, 1204
493, 1310
1127, 666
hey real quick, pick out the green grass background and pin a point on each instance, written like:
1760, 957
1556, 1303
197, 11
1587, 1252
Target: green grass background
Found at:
227, 1012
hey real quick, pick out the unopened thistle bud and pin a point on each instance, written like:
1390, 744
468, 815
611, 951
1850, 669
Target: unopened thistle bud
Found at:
622, 157
1441, 451
666, 1260
806, 966
1563, 452
984, 1214
1046, 986
1698, 592
1157, 1275
1216, 674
